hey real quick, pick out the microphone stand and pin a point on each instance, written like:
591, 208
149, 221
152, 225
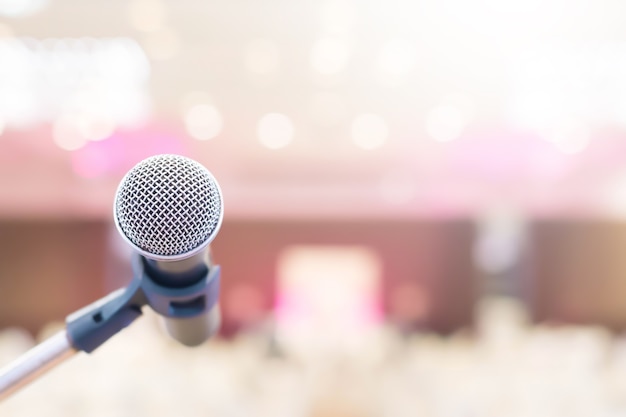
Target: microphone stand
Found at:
91, 326
34, 363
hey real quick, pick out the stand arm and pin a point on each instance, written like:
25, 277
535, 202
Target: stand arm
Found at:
35, 363
85, 330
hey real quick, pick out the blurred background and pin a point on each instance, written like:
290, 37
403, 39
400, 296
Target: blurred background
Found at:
424, 202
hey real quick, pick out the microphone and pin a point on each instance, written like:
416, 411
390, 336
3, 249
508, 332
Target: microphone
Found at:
169, 208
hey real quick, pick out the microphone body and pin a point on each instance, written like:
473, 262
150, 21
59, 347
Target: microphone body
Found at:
190, 330
169, 208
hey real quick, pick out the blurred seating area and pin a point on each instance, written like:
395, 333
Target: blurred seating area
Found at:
507, 366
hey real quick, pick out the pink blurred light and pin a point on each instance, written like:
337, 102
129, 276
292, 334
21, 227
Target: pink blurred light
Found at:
288, 305
511, 157
122, 150
370, 311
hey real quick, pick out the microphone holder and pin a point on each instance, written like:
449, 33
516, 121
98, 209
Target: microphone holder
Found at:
91, 326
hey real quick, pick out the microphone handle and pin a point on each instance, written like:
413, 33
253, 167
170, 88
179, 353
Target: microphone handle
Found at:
190, 330
195, 330
34, 363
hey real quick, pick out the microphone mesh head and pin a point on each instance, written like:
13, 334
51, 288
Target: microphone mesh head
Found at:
168, 207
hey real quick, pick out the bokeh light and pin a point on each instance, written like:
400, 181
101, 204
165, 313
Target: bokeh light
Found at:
40, 80
446, 122
275, 130
203, 121
369, 131
67, 135
93, 128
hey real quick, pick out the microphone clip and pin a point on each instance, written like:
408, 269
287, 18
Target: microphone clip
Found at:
91, 326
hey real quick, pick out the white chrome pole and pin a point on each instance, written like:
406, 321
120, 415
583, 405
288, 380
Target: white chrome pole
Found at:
34, 363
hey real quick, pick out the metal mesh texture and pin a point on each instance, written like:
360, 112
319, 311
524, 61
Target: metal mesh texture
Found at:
168, 205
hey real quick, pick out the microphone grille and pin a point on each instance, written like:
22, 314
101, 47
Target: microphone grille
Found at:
168, 207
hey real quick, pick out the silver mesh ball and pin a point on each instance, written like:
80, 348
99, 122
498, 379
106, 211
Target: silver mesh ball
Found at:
168, 206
